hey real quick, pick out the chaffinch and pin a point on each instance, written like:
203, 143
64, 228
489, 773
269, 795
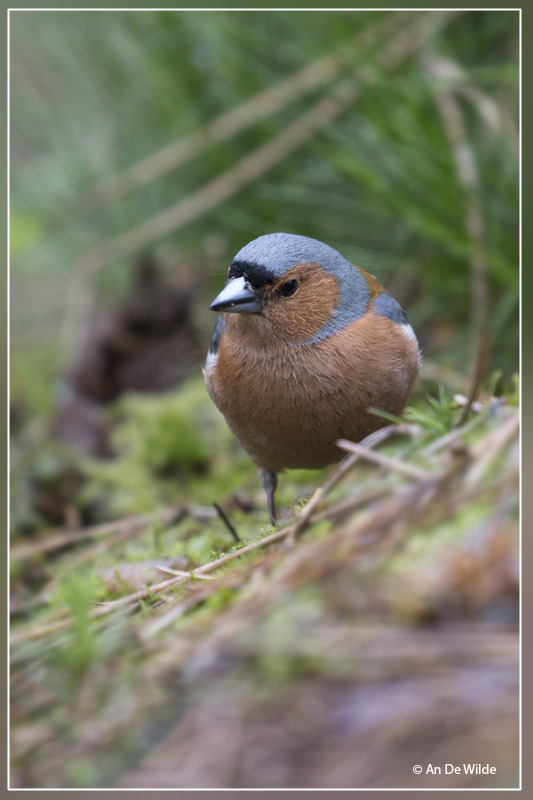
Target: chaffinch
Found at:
305, 344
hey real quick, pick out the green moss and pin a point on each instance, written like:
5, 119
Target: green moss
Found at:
221, 599
167, 434
169, 447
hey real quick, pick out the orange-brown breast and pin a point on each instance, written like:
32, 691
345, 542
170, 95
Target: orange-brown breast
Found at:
288, 404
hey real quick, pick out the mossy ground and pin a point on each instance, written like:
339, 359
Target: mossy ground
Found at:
418, 583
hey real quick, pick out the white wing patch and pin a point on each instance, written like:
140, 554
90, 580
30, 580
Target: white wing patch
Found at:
211, 359
408, 331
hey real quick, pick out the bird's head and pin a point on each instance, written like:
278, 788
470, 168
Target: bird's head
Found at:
289, 287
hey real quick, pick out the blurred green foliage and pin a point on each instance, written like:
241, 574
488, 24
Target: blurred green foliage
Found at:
77, 593
92, 93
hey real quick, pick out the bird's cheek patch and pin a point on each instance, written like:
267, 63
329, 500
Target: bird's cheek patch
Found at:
302, 316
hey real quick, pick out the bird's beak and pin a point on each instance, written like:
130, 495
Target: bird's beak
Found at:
237, 296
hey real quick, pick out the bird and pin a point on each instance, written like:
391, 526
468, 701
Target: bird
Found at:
306, 343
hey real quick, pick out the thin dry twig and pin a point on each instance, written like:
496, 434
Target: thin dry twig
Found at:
101, 611
480, 370
487, 449
449, 438
148, 591
174, 611
382, 460
351, 504
184, 573
226, 522
341, 470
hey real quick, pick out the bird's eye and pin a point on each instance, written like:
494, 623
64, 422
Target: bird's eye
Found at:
289, 288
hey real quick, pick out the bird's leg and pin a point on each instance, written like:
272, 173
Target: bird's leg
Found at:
269, 481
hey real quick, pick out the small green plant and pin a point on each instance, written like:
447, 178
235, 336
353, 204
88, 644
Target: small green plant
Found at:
77, 593
438, 415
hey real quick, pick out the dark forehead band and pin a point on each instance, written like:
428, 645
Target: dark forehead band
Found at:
256, 275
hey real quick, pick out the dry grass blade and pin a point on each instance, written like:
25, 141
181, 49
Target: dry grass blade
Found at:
493, 114
173, 612
381, 460
480, 371
468, 178
226, 522
130, 525
132, 599
149, 591
487, 449
452, 436
184, 574
351, 503
341, 470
